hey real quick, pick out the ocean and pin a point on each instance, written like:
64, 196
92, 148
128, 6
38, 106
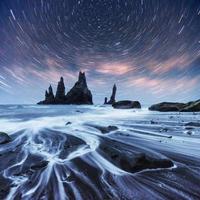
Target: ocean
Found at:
97, 152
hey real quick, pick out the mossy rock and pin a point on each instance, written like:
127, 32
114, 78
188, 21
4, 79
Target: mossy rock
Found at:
4, 138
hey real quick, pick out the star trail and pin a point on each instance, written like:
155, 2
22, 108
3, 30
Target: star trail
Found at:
149, 48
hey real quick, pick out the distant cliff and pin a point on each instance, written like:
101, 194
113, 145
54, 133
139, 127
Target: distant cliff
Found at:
79, 94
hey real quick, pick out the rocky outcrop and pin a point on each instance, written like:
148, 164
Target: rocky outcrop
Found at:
131, 161
104, 129
127, 104
4, 138
60, 93
167, 107
112, 98
49, 97
106, 100
193, 106
79, 94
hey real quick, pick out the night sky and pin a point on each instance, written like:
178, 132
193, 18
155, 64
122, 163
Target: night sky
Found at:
149, 48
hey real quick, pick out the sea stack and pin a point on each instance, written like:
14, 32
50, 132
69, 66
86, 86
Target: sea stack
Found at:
112, 98
60, 93
49, 97
79, 94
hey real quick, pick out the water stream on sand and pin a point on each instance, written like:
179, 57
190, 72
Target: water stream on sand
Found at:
94, 152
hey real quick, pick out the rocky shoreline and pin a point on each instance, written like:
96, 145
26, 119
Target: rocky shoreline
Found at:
193, 106
80, 95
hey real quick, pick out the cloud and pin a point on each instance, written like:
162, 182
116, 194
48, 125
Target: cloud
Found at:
163, 86
162, 67
115, 68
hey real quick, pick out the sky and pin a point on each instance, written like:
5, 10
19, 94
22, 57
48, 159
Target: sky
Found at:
149, 48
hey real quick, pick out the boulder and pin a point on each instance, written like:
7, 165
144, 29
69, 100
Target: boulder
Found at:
4, 138
79, 94
167, 107
193, 106
129, 160
127, 104
40, 165
105, 129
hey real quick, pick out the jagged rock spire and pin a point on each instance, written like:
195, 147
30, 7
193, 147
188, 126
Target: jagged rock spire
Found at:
49, 97
79, 94
106, 100
112, 98
81, 80
51, 90
60, 93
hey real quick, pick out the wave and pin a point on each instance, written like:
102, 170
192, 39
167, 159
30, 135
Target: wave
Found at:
74, 152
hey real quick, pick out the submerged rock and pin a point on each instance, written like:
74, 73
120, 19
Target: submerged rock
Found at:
196, 124
127, 104
105, 129
4, 138
40, 165
68, 123
4, 187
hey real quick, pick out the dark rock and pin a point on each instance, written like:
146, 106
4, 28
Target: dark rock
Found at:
106, 100
142, 161
78, 111
131, 161
105, 129
189, 128
68, 123
4, 187
153, 122
127, 104
39, 165
4, 138
60, 93
167, 107
79, 94
193, 106
164, 130
71, 144
189, 132
112, 98
196, 124
49, 97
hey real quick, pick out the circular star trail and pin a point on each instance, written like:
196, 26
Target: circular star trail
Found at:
149, 48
